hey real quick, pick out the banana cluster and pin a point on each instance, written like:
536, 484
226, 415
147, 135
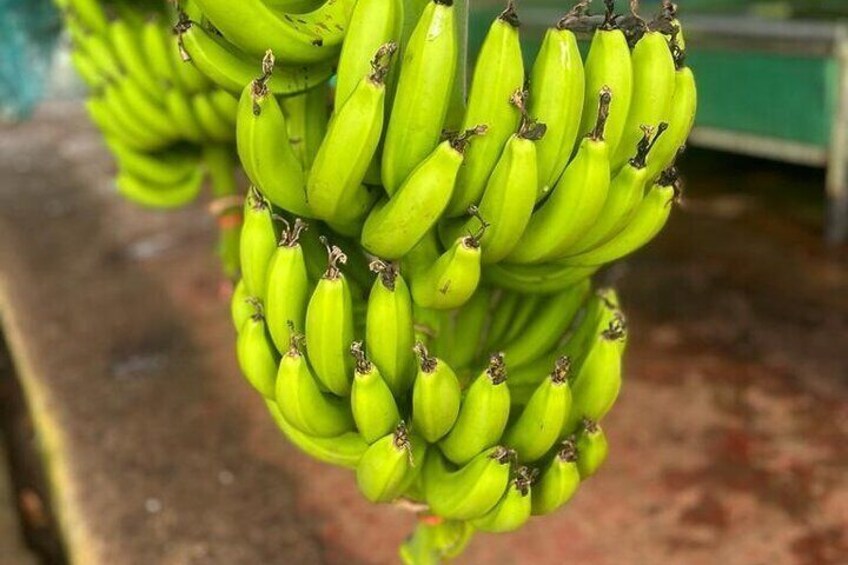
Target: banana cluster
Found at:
168, 127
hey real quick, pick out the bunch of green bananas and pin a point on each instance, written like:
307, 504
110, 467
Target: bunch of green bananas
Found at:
168, 127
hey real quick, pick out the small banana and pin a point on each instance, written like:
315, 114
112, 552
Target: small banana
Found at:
90, 13
345, 450
100, 53
396, 225
498, 75
423, 94
389, 332
127, 48
164, 168
155, 195
470, 491
329, 326
258, 243
179, 109
388, 465
374, 408
558, 481
540, 424
213, 125
576, 200
264, 148
592, 449
225, 105
435, 396
608, 65
256, 354
132, 125
543, 279
482, 416
514, 508
307, 115
469, 327
301, 401
334, 187
287, 290
240, 306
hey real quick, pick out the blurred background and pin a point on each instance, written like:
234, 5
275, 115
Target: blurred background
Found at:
128, 437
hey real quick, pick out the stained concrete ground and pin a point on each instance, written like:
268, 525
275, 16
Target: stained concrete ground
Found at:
729, 442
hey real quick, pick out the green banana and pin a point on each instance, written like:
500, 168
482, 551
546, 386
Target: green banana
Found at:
213, 126
374, 408
132, 124
256, 354
90, 14
576, 200
592, 449
423, 94
539, 426
287, 290
681, 119
155, 195
468, 329
301, 401
557, 91
225, 104
231, 69
98, 50
164, 168
608, 65
558, 481
334, 188
258, 243
388, 464
127, 48
156, 51
514, 508
653, 90
396, 225
179, 110
548, 278
472, 490
329, 326
482, 416
240, 306
389, 332
87, 70
307, 115
305, 38
264, 148
345, 450
498, 76
435, 396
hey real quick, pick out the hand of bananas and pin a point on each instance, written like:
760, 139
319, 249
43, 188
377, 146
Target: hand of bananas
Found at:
166, 124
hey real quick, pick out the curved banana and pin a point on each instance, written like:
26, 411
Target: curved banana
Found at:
423, 94
345, 450
305, 38
301, 401
258, 244
482, 416
469, 328
558, 481
147, 111
240, 306
452, 280
498, 76
127, 48
329, 326
225, 105
87, 70
307, 115
470, 491
178, 106
232, 69
536, 279
132, 124
389, 332
388, 464
681, 118
576, 200
592, 449
435, 396
168, 167
256, 354
374, 408
99, 52
540, 424
265, 151
155, 47
212, 124
287, 290
90, 14
154, 195
514, 508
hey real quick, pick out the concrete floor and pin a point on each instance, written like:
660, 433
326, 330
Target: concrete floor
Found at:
729, 443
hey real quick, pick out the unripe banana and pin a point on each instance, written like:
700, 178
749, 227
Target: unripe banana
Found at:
387, 465
596, 386
498, 75
514, 508
469, 328
530, 306
482, 417
389, 332
546, 278
214, 126
653, 90
90, 14
396, 225
345, 450
258, 243
423, 94
307, 115
334, 188
329, 326
470, 491
557, 92
576, 200
435, 396
301, 401
264, 148
608, 65
165, 168
127, 47
540, 424
256, 354
240, 306
681, 119
592, 449
154, 195
288, 287
558, 482
374, 408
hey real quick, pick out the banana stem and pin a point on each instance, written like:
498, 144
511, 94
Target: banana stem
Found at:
432, 543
